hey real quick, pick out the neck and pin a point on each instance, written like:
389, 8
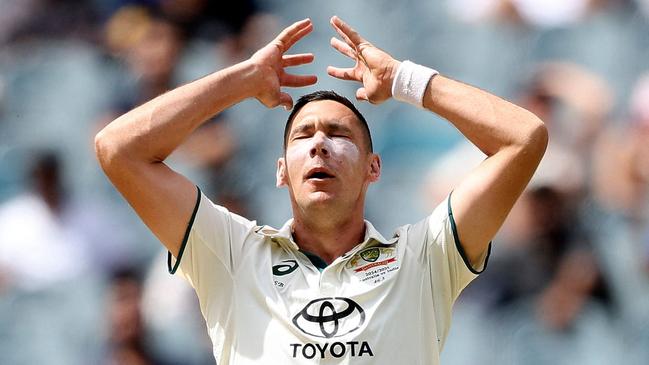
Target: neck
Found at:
329, 239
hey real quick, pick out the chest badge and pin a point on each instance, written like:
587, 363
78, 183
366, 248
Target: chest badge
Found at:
374, 264
371, 254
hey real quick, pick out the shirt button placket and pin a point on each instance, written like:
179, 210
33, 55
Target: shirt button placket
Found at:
327, 287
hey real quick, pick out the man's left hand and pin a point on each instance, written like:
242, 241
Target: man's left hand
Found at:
374, 68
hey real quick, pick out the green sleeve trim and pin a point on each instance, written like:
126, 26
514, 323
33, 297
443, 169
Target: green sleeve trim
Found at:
172, 270
458, 244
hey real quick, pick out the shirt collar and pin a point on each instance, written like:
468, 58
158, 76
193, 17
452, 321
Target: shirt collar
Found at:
372, 234
285, 235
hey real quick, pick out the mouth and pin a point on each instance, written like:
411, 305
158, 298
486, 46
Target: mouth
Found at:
319, 174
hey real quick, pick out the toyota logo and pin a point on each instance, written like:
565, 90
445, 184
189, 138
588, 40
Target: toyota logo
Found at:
330, 317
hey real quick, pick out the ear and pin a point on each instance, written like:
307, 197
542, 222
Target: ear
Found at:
375, 167
281, 173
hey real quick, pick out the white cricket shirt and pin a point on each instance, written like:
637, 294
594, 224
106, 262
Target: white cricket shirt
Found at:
386, 301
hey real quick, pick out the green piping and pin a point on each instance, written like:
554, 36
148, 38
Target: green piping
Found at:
316, 260
187, 231
458, 245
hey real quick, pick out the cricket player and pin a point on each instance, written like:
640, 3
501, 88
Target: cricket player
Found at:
326, 287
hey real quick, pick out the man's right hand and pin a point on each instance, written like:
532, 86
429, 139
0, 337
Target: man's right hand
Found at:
270, 62
132, 149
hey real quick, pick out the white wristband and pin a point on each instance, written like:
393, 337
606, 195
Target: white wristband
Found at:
410, 82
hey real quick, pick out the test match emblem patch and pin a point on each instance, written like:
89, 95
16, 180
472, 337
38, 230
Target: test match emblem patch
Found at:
371, 254
374, 264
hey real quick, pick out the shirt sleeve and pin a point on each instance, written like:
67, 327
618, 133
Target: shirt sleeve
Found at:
211, 247
436, 243
446, 255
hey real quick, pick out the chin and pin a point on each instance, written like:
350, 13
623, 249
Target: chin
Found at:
320, 198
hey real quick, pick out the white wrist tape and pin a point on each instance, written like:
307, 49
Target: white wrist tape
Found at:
410, 82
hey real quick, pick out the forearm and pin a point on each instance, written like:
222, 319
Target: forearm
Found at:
150, 132
489, 122
131, 149
514, 140
512, 137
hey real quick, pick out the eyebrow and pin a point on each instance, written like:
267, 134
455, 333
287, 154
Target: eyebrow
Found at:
338, 127
301, 128
330, 126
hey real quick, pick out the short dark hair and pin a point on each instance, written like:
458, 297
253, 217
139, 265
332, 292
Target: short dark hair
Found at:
326, 95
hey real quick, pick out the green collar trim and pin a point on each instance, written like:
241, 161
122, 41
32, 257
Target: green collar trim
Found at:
316, 260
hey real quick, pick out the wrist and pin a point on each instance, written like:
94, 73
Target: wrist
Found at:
250, 75
410, 81
394, 67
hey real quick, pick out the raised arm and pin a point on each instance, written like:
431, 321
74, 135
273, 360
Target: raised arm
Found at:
132, 149
513, 138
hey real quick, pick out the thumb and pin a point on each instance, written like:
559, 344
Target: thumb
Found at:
361, 94
286, 101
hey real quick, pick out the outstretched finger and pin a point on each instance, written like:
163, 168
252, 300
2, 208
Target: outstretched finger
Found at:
342, 73
293, 33
343, 36
299, 35
297, 59
343, 48
349, 33
291, 80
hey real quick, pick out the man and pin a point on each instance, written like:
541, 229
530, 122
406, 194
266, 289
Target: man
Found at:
326, 286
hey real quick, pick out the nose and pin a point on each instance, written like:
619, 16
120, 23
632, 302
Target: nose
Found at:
319, 147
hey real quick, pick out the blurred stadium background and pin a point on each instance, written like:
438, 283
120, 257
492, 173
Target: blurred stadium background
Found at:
83, 282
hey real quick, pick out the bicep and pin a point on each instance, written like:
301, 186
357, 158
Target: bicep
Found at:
482, 201
161, 197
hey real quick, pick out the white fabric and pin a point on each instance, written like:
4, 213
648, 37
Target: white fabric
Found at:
36, 249
410, 82
384, 302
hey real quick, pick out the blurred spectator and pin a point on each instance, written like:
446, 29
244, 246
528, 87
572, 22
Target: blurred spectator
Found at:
574, 104
545, 285
209, 19
24, 20
549, 231
128, 341
46, 262
172, 314
625, 154
48, 236
37, 247
619, 212
572, 100
152, 49
537, 13
566, 323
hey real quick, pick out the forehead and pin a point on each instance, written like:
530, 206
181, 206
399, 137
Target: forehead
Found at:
328, 112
